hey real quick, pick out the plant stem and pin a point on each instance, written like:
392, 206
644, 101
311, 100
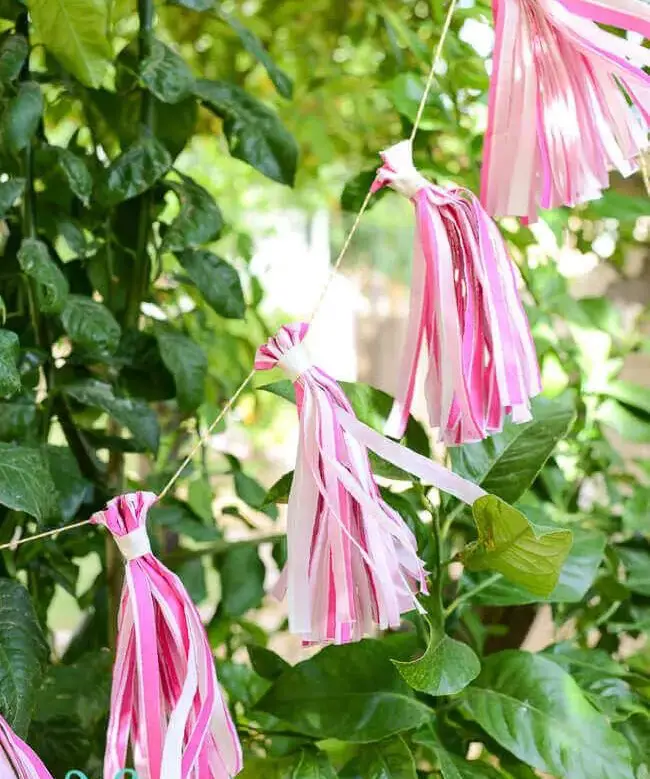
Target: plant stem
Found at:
471, 593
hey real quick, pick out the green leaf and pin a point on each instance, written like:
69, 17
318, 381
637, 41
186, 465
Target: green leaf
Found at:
23, 653
250, 490
132, 413
453, 766
508, 543
390, 759
135, 171
187, 363
628, 393
199, 220
447, 666
13, 53
254, 47
356, 189
255, 134
90, 325
72, 488
10, 191
576, 577
192, 574
636, 731
22, 116
18, 420
195, 5
81, 690
9, 353
350, 692
25, 482
179, 518
303, 765
166, 75
242, 580
217, 281
279, 492
77, 174
630, 423
637, 569
75, 31
507, 464
536, 710
266, 663
51, 285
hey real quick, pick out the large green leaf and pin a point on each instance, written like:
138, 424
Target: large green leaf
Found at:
23, 653
507, 464
10, 191
577, 575
75, 31
187, 363
447, 666
22, 116
71, 486
135, 171
51, 285
77, 175
25, 482
199, 220
390, 759
91, 325
9, 352
242, 580
166, 75
629, 422
351, 692
13, 53
637, 569
217, 281
536, 710
529, 556
254, 133
301, 765
179, 518
254, 46
266, 663
132, 413
453, 766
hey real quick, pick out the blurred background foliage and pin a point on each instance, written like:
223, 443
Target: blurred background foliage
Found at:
148, 150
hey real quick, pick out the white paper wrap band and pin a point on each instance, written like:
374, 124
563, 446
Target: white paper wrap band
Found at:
407, 182
296, 362
401, 174
133, 545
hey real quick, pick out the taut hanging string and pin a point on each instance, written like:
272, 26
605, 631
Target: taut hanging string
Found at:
205, 437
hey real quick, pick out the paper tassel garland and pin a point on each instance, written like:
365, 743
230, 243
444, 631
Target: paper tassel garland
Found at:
165, 698
352, 563
558, 118
465, 311
17, 760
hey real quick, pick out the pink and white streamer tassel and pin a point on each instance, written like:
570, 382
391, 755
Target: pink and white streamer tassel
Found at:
165, 698
558, 118
352, 563
465, 312
17, 760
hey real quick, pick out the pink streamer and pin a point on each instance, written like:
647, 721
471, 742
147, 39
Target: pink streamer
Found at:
165, 699
558, 118
352, 562
465, 311
17, 760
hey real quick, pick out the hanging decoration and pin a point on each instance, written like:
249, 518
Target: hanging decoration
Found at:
17, 760
165, 698
352, 563
558, 118
465, 311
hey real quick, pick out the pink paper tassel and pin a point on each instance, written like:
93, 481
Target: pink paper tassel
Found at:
165, 698
465, 311
17, 760
558, 118
352, 563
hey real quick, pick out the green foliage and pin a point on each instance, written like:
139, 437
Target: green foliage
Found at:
130, 314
